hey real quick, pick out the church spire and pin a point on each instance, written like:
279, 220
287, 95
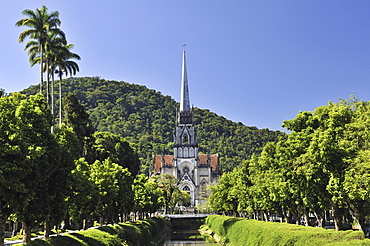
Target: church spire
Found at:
184, 99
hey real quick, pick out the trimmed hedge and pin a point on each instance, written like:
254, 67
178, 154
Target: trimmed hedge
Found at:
138, 233
244, 232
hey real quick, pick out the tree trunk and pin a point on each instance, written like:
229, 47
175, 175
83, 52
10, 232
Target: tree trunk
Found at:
41, 62
319, 219
60, 97
47, 229
26, 227
265, 216
306, 216
101, 220
52, 101
84, 224
358, 215
47, 83
2, 228
337, 217
67, 222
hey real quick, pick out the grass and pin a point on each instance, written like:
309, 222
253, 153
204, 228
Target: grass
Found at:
139, 233
244, 232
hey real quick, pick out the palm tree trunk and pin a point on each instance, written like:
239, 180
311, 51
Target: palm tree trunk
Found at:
52, 101
47, 82
41, 62
60, 97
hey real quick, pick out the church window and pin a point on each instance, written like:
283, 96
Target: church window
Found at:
185, 139
187, 189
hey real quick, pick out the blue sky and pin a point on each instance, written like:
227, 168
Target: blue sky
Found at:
257, 62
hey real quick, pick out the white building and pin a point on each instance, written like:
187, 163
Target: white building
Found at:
194, 171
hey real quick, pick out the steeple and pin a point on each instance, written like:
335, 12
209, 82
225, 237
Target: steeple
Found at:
186, 144
184, 99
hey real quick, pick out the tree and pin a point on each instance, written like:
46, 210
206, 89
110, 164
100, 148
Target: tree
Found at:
35, 119
78, 119
223, 198
105, 177
40, 23
83, 197
65, 66
356, 177
125, 199
28, 122
169, 185
60, 180
141, 198
181, 198
13, 152
356, 185
110, 145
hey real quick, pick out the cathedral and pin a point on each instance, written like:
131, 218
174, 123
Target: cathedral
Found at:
194, 171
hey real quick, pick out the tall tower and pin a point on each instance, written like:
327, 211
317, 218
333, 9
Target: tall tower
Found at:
185, 141
194, 171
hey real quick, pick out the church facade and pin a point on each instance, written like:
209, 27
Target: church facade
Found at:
194, 171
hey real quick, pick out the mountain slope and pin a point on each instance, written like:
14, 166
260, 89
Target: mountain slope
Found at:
146, 118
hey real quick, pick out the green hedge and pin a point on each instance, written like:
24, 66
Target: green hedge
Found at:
139, 233
244, 232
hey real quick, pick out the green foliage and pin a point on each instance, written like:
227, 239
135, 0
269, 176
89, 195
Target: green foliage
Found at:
322, 165
169, 186
83, 192
115, 147
32, 118
148, 197
102, 188
139, 233
41, 24
244, 232
146, 118
77, 118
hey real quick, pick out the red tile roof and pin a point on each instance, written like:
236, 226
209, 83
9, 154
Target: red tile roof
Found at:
168, 161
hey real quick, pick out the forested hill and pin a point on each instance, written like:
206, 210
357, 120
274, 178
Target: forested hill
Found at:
146, 118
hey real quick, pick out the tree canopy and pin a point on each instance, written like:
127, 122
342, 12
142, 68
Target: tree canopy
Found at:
322, 165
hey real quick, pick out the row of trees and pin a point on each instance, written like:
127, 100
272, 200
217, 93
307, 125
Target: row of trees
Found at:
48, 47
322, 165
33, 160
76, 174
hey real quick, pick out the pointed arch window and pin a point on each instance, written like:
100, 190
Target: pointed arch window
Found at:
185, 139
187, 189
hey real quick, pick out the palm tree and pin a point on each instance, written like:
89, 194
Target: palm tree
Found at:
41, 23
57, 55
52, 45
65, 65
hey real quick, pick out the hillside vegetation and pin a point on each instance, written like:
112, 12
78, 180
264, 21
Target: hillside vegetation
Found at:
146, 118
